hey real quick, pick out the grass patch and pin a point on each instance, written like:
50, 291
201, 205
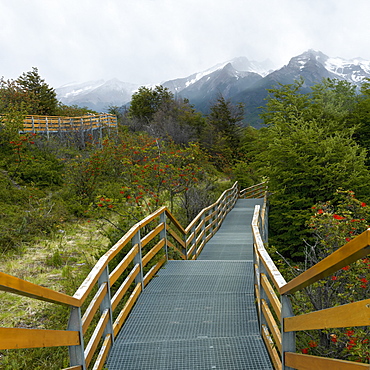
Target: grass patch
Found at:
60, 263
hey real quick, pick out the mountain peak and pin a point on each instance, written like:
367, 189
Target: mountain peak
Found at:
238, 79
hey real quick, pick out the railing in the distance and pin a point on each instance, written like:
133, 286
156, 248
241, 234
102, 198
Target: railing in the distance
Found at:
269, 284
104, 292
56, 124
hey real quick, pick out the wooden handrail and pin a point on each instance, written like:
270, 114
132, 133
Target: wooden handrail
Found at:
344, 316
308, 362
355, 249
14, 338
348, 315
42, 124
15, 285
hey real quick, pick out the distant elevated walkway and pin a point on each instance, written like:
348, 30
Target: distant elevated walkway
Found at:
60, 124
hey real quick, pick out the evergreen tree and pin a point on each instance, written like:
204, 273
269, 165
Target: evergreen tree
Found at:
225, 122
43, 98
307, 156
361, 118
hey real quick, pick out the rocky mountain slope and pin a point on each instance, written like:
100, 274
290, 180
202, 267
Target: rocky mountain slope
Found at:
239, 80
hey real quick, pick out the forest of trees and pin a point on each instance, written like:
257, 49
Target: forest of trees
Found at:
313, 151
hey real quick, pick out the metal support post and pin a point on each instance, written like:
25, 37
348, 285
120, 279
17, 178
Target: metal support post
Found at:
263, 295
82, 128
47, 128
107, 303
163, 233
203, 227
138, 259
287, 338
76, 353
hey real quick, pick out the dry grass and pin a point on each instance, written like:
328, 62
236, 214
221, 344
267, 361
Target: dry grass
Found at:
52, 263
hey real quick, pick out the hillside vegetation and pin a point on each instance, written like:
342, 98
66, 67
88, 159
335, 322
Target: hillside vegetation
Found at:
64, 202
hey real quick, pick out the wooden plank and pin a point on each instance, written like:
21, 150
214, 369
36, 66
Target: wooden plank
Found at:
207, 228
269, 264
149, 275
77, 367
274, 356
190, 238
93, 307
274, 329
218, 201
15, 338
190, 251
18, 286
352, 251
201, 246
252, 189
174, 221
207, 218
153, 251
182, 255
151, 235
274, 300
122, 242
96, 336
199, 237
199, 227
209, 236
175, 236
307, 362
86, 287
145, 221
351, 314
117, 272
88, 284
124, 286
103, 353
126, 309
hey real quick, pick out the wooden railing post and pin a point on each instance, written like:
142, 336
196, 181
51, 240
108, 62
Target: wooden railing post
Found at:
287, 338
163, 233
138, 259
76, 353
107, 303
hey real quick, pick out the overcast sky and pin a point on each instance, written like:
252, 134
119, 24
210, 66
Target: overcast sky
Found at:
151, 41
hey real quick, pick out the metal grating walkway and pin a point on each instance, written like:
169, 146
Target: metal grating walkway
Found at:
199, 314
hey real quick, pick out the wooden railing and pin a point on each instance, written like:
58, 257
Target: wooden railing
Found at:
124, 270
57, 124
272, 297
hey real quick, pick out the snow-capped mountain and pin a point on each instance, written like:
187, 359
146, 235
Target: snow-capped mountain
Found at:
353, 70
226, 81
97, 95
240, 64
238, 79
313, 64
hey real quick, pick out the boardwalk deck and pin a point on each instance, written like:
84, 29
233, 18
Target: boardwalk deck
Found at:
199, 314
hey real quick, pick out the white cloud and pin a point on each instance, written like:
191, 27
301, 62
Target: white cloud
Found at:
147, 41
